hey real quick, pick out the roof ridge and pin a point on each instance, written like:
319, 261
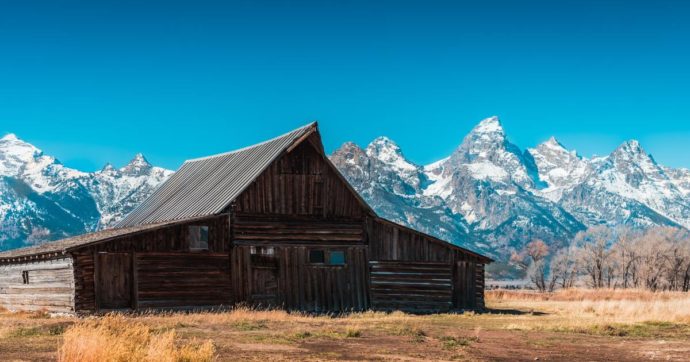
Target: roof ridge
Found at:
311, 124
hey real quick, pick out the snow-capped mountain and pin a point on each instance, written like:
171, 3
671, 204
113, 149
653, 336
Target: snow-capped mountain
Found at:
491, 196
41, 199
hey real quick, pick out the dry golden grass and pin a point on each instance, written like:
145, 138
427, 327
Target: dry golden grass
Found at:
597, 311
526, 321
578, 295
117, 338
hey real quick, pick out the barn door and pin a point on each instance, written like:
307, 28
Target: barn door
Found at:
114, 280
464, 293
264, 277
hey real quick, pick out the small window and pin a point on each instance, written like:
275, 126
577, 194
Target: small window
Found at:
317, 257
198, 237
336, 258
25, 277
330, 257
262, 250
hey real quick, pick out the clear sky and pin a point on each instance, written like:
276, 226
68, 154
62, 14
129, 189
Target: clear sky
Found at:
98, 81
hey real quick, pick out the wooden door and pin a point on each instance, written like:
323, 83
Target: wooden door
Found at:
264, 277
114, 280
464, 288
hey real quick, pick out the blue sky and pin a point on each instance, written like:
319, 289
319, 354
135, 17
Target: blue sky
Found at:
98, 81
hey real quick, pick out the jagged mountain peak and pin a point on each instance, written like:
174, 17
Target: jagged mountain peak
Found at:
632, 148
10, 141
554, 148
553, 143
108, 167
139, 160
349, 146
487, 134
383, 144
387, 151
489, 125
9, 137
139, 165
631, 153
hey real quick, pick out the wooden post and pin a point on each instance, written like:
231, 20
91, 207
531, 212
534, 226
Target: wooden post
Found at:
96, 286
135, 281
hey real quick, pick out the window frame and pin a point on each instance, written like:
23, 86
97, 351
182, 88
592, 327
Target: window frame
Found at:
198, 247
323, 256
327, 257
25, 277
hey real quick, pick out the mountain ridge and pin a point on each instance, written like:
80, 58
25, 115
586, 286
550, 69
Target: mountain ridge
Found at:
43, 200
502, 197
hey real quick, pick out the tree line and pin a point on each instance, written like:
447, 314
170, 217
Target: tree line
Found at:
601, 257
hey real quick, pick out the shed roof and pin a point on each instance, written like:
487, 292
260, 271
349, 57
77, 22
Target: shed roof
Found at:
207, 186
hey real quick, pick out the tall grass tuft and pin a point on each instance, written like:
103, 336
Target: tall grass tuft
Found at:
115, 338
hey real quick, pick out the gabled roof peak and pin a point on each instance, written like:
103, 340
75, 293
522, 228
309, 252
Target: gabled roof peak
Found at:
207, 186
305, 127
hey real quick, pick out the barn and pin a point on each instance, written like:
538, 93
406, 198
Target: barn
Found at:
270, 225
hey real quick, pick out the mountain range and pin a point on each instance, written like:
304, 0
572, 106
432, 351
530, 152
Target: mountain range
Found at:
493, 197
42, 200
487, 195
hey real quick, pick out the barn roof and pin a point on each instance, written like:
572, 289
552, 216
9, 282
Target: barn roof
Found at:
207, 186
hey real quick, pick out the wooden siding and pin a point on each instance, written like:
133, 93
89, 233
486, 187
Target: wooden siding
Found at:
418, 287
254, 228
84, 286
398, 247
389, 242
301, 182
170, 238
304, 286
167, 280
50, 286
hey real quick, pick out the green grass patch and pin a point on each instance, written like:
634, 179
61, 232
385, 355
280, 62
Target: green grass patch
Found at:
450, 342
250, 325
643, 330
54, 329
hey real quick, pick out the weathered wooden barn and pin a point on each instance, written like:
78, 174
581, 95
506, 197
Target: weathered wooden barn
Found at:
274, 225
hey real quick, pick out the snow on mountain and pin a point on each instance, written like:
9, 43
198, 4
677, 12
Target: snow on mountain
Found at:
22, 160
497, 197
629, 187
41, 199
393, 186
680, 178
559, 168
119, 191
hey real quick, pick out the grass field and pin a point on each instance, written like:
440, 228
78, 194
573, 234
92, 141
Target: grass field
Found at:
569, 325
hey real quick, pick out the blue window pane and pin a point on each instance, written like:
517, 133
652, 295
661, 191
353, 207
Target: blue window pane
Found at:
336, 258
